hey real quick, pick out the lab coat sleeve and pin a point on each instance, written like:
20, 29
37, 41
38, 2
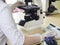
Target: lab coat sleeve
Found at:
8, 27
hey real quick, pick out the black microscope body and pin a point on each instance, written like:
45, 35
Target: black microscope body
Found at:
30, 12
51, 7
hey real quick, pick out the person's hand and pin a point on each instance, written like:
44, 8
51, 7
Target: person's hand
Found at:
37, 38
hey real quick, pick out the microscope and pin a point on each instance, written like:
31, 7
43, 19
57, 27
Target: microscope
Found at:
51, 7
32, 14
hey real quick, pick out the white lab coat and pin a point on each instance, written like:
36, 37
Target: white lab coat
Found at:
8, 28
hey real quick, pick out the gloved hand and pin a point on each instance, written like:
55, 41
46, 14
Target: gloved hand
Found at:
46, 34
